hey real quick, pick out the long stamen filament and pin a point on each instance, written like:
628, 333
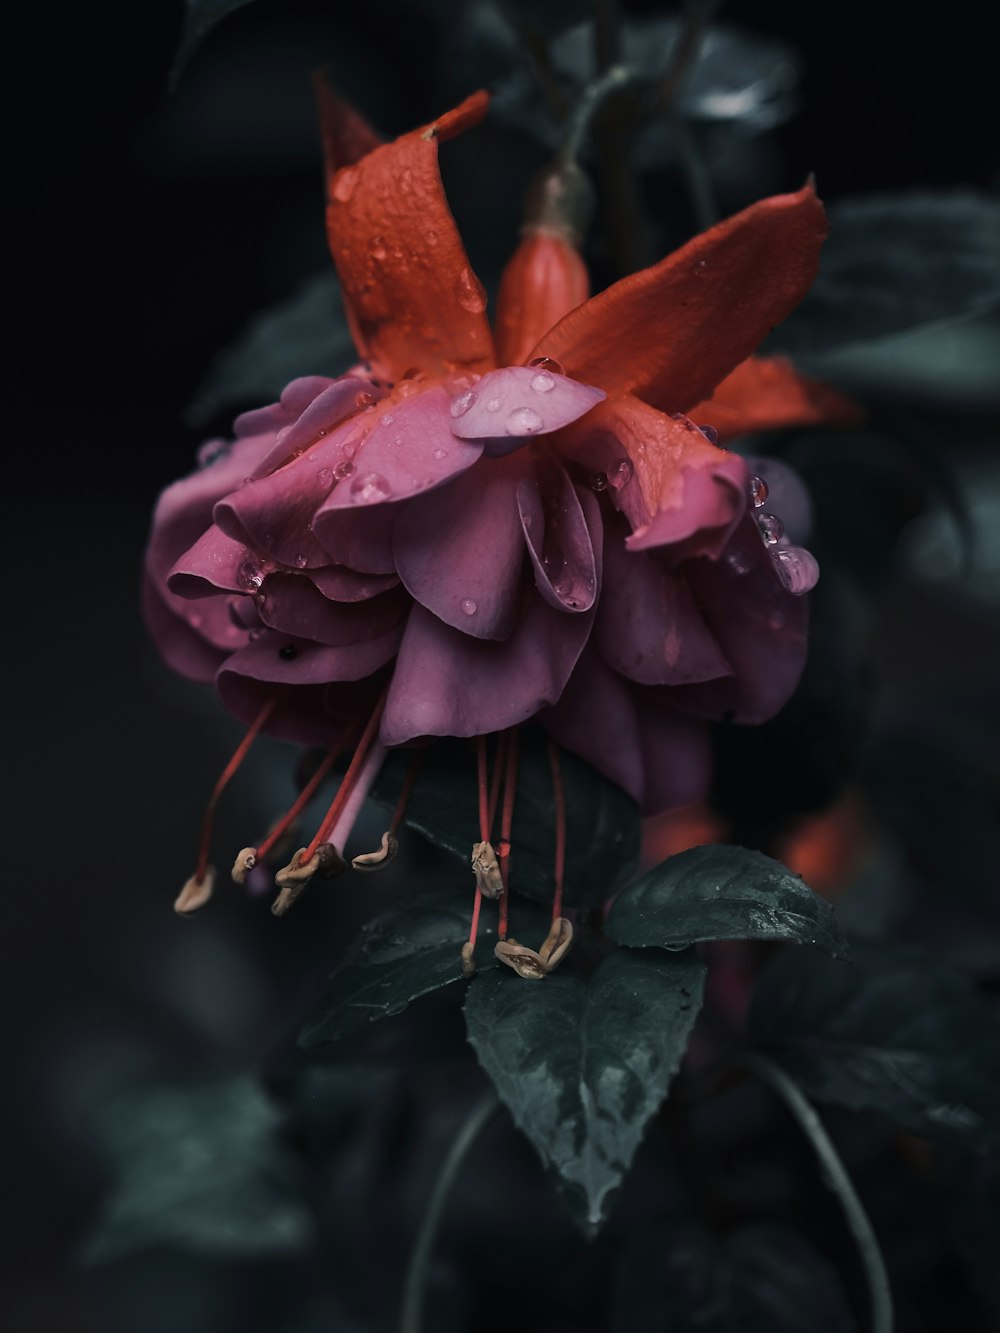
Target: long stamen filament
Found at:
304, 796
354, 769
560, 860
506, 822
406, 793
239, 754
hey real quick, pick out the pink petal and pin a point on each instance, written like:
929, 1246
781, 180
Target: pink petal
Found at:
340, 400
215, 563
293, 605
556, 528
460, 551
508, 405
341, 584
360, 540
182, 647
713, 502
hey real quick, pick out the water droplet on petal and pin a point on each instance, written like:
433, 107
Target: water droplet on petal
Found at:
758, 491
548, 363
470, 292
431, 237
543, 382
212, 451
369, 488
344, 469
523, 421
362, 399
493, 405
463, 403
344, 183
377, 248
249, 575
797, 568
325, 478
771, 528
349, 449
599, 481
388, 419
440, 453
737, 562
194, 619
710, 434
468, 606
620, 475
248, 481
300, 562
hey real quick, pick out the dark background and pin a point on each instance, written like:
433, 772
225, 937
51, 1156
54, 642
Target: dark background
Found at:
143, 229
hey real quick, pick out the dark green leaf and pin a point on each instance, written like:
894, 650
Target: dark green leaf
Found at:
722, 893
549, 17
894, 1031
406, 952
584, 1064
306, 335
602, 823
200, 17
761, 1280
199, 1169
897, 262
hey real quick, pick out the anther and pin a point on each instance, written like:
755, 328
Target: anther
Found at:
468, 959
556, 944
244, 863
525, 962
326, 862
195, 893
486, 869
376, 860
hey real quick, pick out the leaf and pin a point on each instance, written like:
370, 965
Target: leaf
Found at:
763, 1279
894, 1032
584, 1064
722, 893
406, 952
199, 1169
897, 262
602, 823
306, 335
200, 17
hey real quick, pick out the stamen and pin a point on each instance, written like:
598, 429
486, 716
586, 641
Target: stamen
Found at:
249, 856
239, 754
296, 876
556, 944
506, 822
350, 778
195, 894
525, 962
486, 869
485, 821
560, 865
390, 843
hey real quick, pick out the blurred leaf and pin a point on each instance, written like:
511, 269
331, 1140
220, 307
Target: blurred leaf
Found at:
722, 893
602, 823
894, 1032
200, 17
549, 17
763, 1279
895, 262
584, 1064
199, 1169
408, 951
306, 335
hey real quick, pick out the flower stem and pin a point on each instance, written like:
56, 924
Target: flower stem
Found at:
415, 1288
835, 1175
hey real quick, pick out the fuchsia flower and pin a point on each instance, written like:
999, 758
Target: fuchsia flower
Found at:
473, 529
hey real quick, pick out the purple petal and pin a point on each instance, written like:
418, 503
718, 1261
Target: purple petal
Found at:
183, 647
787, 496
558, 534
340, 584
459, 550
714, 501
360, 540
292, 604
215, 563
340, 400
760, 627
649, 626
449, 684
507, 406
409, 449
630, 735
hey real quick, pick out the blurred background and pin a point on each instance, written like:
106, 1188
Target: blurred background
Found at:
144, 229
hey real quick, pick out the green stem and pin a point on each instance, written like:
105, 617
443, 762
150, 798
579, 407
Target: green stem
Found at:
838, 1180
414, 1290
592, 99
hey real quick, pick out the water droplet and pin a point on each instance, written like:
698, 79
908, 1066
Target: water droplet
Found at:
523, 421
288, 652
440, 453
362, 399
194, 619
493, 405
771, 528
468, 606
250, 576
388, 419
369, 488
211, 452
738, 562
377, 248
710, 434
300, 561
759, 491
620, 475
463, 402
349, 449
797, 568
543, 382
344, 469
548, 363
325, 478
599, 481
431, 237
470, 292
344, 183
248, 481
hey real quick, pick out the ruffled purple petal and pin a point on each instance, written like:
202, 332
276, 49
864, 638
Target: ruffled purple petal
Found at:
293, 605
761, 628
333, 405
215, 563
340, 584
184, 647
460, 550
508, 406
558, 534
714, 501
449, 684
410, 448
360, 540
649, 626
